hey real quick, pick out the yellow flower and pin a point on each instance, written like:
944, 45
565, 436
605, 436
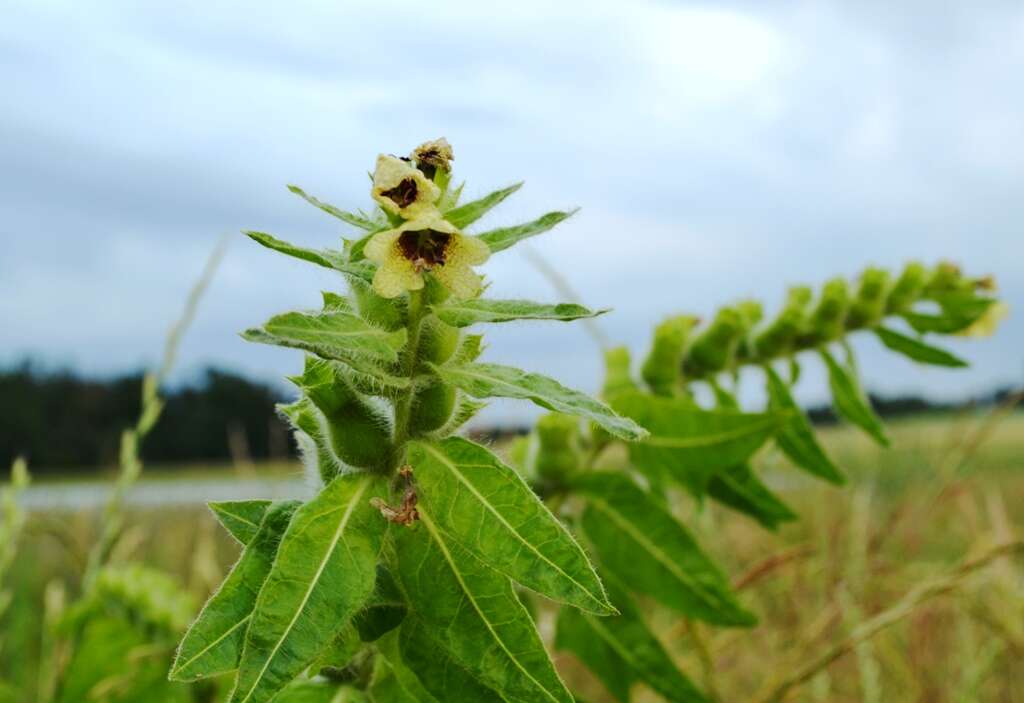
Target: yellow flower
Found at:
402, 189
427, 244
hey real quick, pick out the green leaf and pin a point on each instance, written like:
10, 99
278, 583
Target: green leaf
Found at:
359, 221
213, 643
240, 517
362, 368
959, 310
622, 650
311, 436
689, 444
442, 677
850, 401
649, 551
394, 682
324, 572
488, 509
917, 350
494, 380
335, 335
323, 257
505, 237
320, 692
385, 610
475, 615
470, 312
740, 488
335, 302
797, 439
467, 214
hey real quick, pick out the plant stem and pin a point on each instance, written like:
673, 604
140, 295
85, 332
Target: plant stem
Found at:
410, 366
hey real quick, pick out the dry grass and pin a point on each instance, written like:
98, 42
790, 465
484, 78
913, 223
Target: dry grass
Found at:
909, 515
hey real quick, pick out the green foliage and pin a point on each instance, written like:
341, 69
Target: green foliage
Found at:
401, 580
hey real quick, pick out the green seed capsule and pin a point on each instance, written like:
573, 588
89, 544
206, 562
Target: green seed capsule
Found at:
715, 348
908, 287
617, 377
432, 408
359, 433
387, 313
791, 321
947, 278
868, 305
438, 341
662, 369
828, 319
558, 455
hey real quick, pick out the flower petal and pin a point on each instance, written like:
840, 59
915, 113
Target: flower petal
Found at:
395, 276
393, 173
380, 245
459, 279
467, 250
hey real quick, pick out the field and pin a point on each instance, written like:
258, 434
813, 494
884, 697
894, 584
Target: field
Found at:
949, 488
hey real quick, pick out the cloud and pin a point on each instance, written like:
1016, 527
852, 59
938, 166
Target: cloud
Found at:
718, 151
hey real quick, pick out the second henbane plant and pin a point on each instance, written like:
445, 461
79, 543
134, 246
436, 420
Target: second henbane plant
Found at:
401, 571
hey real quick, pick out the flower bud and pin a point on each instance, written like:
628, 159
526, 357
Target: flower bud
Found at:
662, 369
868, 305
617, 375
433, 156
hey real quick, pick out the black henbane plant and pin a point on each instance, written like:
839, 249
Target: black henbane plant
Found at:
404, 578
412, 527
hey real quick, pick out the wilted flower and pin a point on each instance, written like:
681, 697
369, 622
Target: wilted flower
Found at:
402, 189
433, 155
427, 244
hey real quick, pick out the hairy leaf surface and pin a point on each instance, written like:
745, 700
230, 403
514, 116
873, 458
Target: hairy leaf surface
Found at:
917, 350
213, 643
320, 692
487, 508
495, 380
465, 215
360, 221
322, 257
621, 650
470, 312
439, 674
505, 237
324, 571
740, 488
850, 401
241, 518
473, 612
690, 444
797, 439
649, 551
395, 682
338, 334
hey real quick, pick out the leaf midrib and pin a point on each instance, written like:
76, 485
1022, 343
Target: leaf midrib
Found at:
707, 440
710, 598
207, 648
501, 518
353, 501
432, 528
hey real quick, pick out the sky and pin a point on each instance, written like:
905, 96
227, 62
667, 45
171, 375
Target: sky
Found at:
717, 151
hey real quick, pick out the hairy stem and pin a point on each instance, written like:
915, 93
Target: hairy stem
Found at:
410, 366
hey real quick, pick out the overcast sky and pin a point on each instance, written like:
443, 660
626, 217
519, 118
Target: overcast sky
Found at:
717, 150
